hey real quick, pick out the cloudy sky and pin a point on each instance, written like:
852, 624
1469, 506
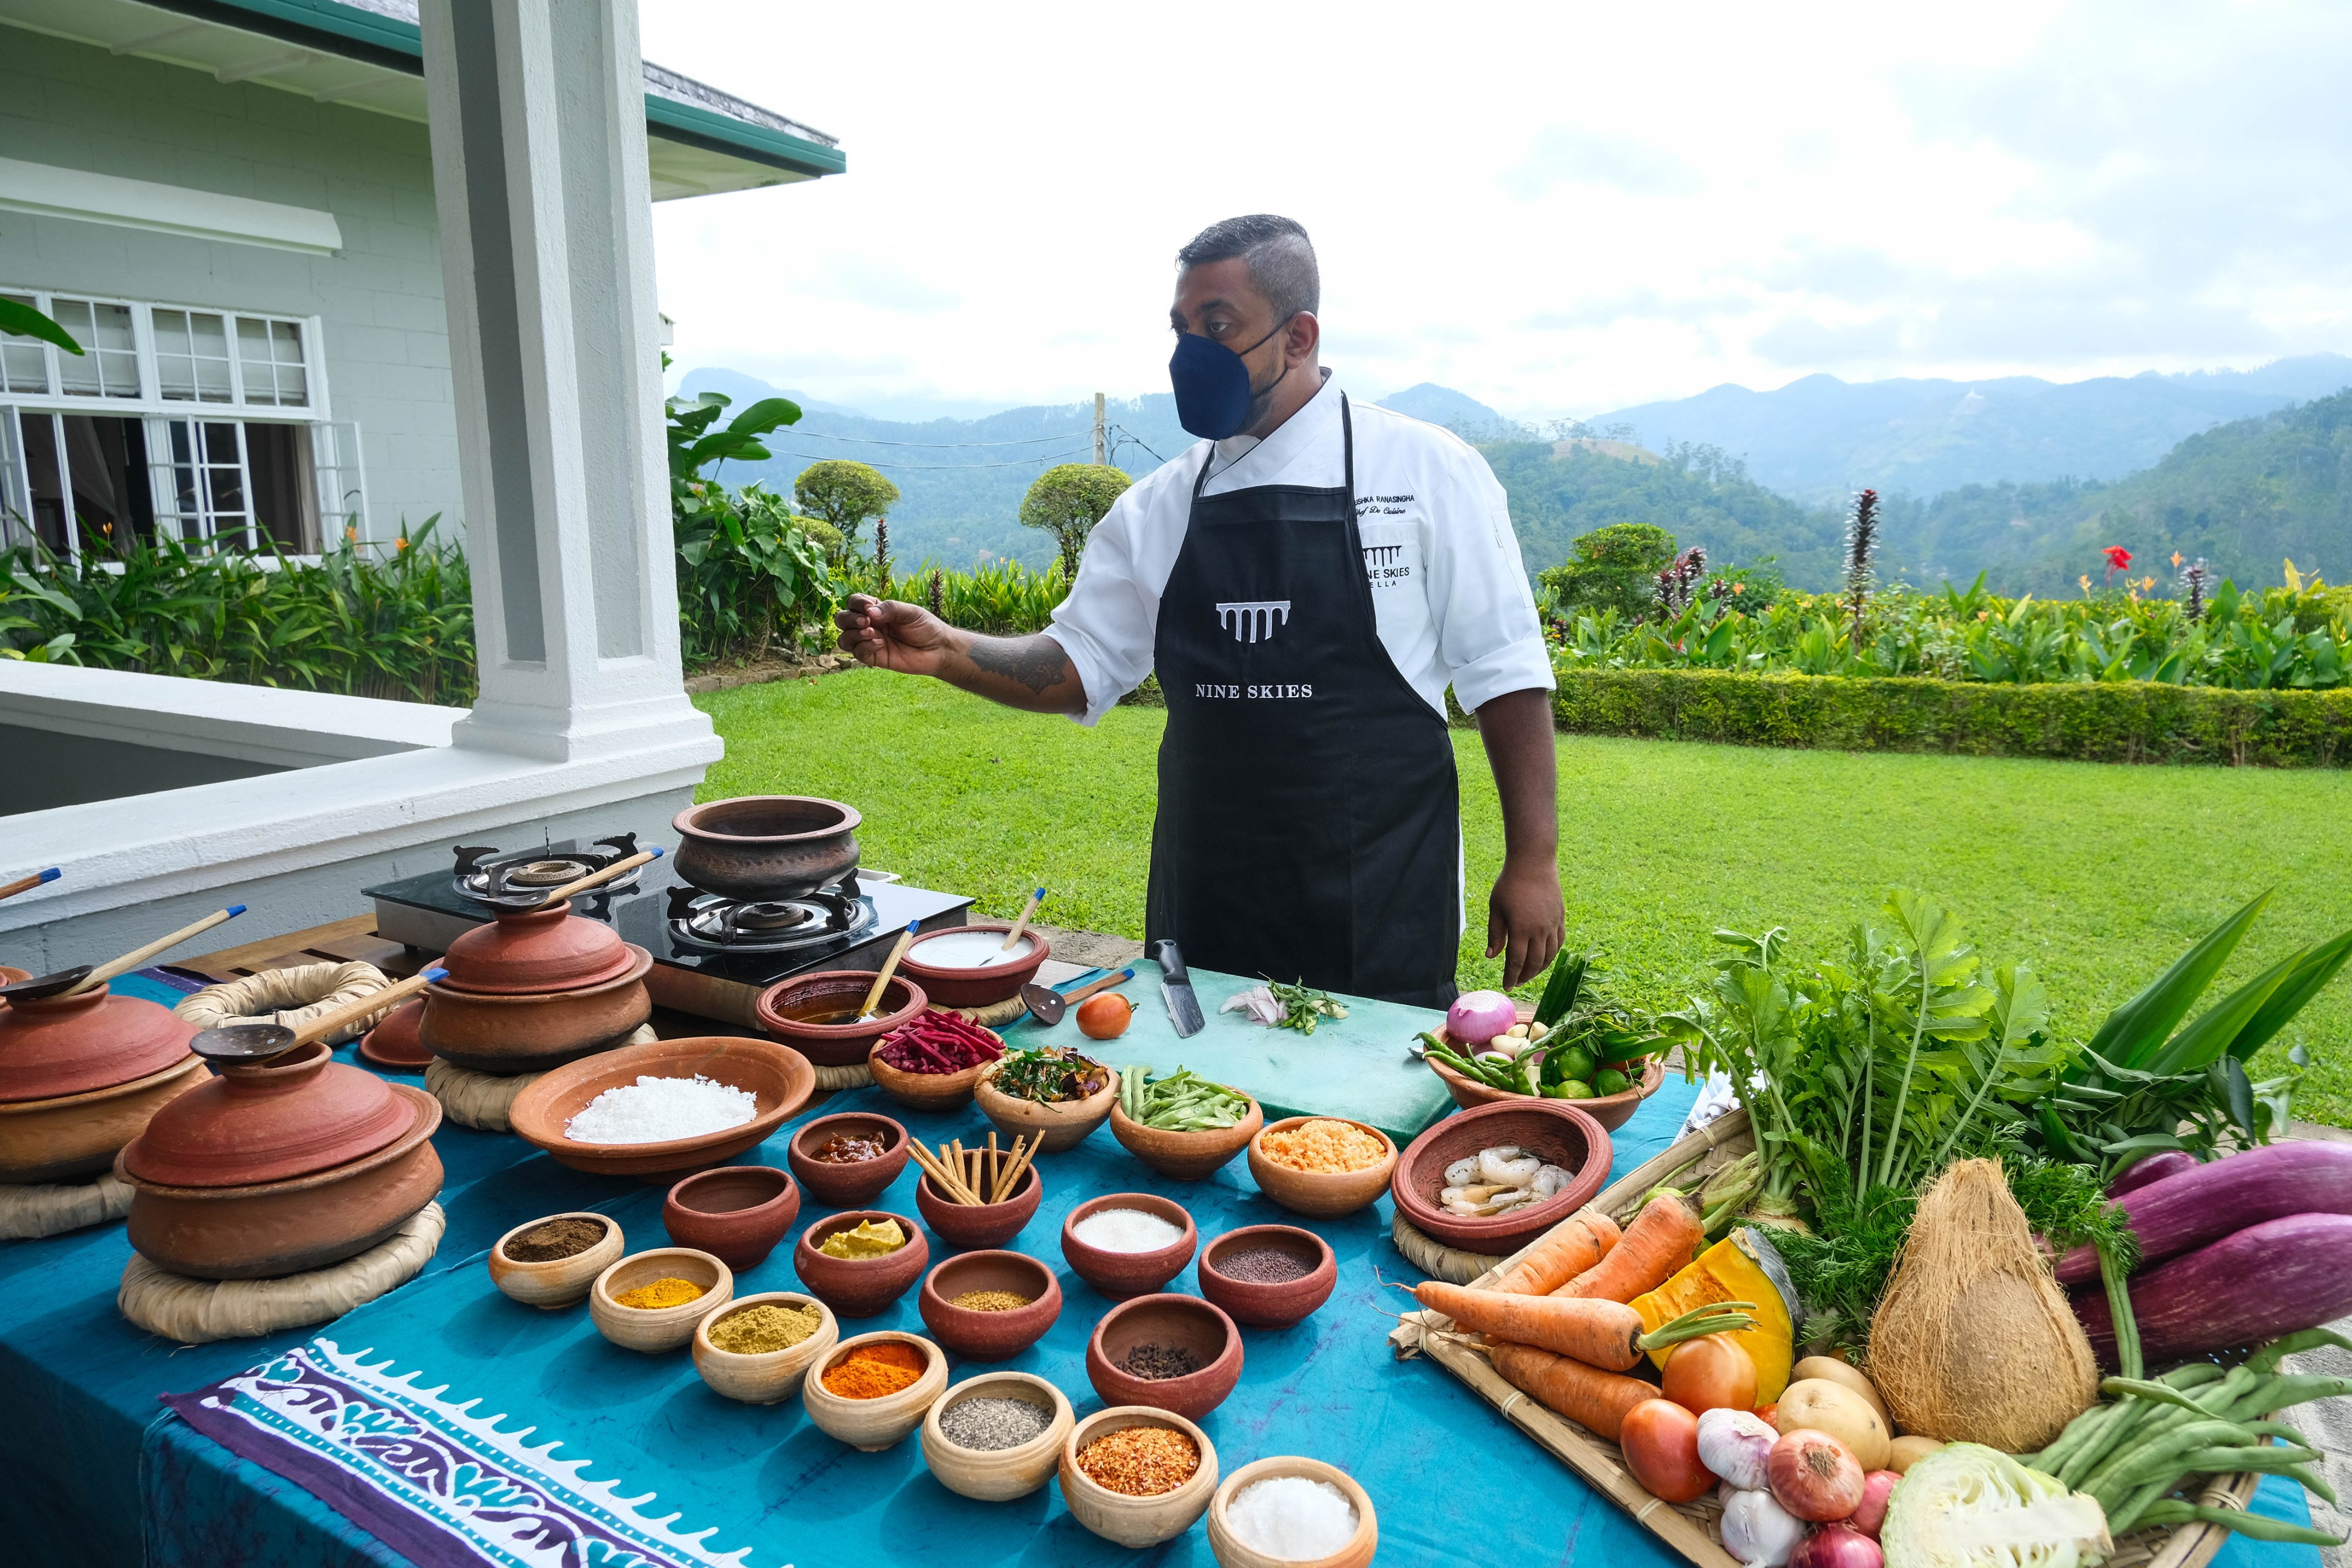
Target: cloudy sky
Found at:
1557, 209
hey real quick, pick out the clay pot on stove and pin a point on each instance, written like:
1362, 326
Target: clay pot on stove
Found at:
264, 1230
51, 1047
530, 1032
765, 847
828, 993
531, 952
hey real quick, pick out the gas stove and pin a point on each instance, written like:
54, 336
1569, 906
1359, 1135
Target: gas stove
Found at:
712, 956
519, 880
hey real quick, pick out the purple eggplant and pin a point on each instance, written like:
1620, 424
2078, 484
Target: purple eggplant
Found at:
2206, 1203
2262, 1281
2156, 1167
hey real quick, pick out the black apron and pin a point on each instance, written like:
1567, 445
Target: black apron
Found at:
1308, 826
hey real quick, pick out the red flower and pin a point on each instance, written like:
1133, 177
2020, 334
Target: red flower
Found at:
2118, 558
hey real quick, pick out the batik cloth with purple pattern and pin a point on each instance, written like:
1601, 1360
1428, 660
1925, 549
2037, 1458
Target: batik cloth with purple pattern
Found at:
431, 1479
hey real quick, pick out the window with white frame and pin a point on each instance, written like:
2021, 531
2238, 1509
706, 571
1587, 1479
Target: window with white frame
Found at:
210, 427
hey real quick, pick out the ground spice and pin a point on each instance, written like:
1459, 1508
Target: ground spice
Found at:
666, 1291
1141, 1461
869, 1371
848, 1149
1158, 1363
868, 1238
1262, 1266
992, 1300
756, 1330
993, 1425
565, 1237
1324, 1147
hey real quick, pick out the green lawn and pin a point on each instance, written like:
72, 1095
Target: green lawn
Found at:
2099, 875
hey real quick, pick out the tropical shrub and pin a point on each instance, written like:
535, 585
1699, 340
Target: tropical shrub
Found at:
1067, 500
1614, 567
843, 494
749, 575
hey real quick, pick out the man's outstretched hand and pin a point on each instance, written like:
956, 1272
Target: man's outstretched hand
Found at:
1524, 922
888, 635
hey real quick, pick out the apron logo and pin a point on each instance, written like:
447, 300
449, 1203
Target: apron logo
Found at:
1254, 621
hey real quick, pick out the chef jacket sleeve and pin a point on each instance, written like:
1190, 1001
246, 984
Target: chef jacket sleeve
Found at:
1488, 637
1105, 624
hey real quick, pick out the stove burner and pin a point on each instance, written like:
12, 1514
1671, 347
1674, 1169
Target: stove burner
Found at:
776, 917
521, 879
834, 916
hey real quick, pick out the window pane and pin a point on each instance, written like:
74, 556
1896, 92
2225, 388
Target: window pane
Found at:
108, 365
210, 336
253, 349
77, 373
192, 356
175, 365
286, 340
24, 367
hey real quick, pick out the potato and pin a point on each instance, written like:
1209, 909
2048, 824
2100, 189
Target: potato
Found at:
1836, 1371
1826, 1406
1905, 1452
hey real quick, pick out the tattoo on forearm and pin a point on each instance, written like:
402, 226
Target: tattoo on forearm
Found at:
1037, 662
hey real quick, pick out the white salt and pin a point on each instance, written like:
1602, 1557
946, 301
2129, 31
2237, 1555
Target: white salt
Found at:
657, 1110
1292, 1517
973, 950
1127, 1230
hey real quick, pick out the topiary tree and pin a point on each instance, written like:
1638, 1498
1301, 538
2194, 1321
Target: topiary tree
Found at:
1067, 500
843, 494
1615, 566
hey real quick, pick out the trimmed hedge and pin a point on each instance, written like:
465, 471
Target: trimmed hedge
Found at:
2103, 721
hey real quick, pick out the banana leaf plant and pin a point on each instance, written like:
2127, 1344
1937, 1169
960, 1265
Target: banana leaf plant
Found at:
2145, 1083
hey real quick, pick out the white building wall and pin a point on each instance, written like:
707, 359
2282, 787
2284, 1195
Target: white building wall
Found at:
386, 335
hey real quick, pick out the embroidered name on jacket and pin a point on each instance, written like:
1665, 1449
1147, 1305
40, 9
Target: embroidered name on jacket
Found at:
1253, 693
1253, 620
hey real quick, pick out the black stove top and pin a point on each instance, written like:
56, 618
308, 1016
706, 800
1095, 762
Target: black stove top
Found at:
522, 877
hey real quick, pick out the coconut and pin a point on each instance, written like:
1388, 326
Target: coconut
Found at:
1973, 1342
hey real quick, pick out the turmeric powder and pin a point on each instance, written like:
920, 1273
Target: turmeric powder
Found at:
871, 1370
666, 1292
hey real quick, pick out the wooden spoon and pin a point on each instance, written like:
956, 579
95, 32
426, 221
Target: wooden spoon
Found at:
132, 960
594, 879
257, 1042
1014, 936
1049, 1006
10, 889
866, 1015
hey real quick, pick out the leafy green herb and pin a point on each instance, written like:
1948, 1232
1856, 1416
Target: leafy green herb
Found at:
1050, 1075
1302, 1005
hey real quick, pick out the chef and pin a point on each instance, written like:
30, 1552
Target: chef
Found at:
1306, 580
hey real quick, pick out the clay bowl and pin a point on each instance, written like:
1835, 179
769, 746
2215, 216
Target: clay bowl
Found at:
767, 1377
1120, 1274
1611, 1110
535, 1030
765, 846
74, 1137
1200, 1327
847, 1186
9, 975
1185, 1157
962, 987
1314, 1193
964, 1227
656, 1329
990, 1336
782, 1080
1558, 1130
1064, 1125
1270, 1306
736, 1212
860, 1287
871, 1426
394, 1042
998, 1475
275, 1228
927, 1090
1231, 1552
1134, 1522
556, 1283
836, 1045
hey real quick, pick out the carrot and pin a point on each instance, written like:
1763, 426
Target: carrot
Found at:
1662, 1237
1596, 1400
1573, 1246
1607, 1334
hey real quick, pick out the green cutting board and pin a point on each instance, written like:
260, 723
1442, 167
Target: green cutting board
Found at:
1356, 1067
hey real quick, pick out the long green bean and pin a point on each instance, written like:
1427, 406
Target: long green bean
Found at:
2252, 1526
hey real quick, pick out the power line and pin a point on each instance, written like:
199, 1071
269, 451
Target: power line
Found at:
876, 441
1127, 436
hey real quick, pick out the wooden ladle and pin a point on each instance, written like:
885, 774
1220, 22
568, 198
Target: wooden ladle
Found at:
82, 976
253, 1043
1049, 1006
598, 878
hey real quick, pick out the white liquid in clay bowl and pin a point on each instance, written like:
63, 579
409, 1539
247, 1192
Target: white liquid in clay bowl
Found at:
973, 950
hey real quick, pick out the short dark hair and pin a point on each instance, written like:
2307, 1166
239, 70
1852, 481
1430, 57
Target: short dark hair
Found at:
1280, 257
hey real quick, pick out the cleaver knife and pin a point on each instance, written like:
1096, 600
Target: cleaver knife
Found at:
1176, 989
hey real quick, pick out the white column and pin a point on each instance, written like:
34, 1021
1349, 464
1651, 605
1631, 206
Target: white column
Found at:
538, 160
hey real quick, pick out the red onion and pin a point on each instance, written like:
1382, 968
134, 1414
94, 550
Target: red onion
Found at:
1478, 1016
1837, 1546
1871, 1511
1814, 1475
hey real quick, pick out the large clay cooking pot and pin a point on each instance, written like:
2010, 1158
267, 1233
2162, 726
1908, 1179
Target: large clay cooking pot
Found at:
55, 1046
533, 1031
286, 1116
273, 1228
527, 950
73, 1137
765, 846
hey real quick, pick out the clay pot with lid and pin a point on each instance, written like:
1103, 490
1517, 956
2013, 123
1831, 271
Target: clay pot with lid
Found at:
291, 1115
766, 846
533, 989
527, 952
51, 1047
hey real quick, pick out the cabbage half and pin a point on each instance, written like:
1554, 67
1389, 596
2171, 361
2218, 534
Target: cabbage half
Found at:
1968, 1506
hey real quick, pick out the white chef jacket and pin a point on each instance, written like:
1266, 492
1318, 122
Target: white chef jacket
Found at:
1449, 594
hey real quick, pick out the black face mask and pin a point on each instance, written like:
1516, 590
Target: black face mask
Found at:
1212, 383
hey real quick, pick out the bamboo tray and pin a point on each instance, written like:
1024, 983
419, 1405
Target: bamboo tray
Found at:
1692, 1529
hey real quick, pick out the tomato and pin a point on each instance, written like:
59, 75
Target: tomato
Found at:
1712, 1372
1105, 1017
1660, 1439
1769, 1415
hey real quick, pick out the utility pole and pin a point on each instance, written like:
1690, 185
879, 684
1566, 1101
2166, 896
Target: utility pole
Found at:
1099, 457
